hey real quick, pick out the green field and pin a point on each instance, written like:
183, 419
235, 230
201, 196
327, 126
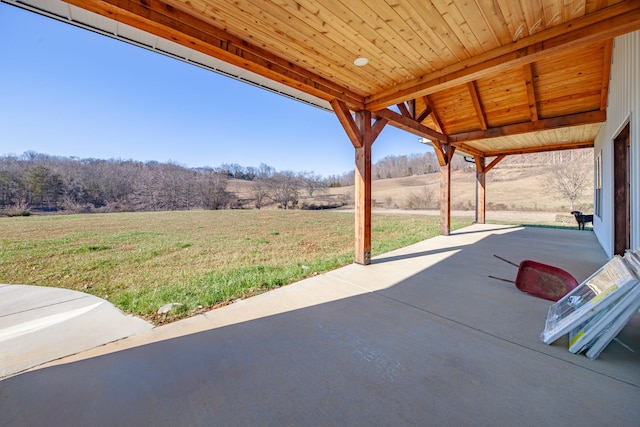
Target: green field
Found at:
200, 259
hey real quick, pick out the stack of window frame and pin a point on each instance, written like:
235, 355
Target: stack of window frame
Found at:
595, 312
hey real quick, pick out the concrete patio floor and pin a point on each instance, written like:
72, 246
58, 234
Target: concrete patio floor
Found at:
40, 324
422, 336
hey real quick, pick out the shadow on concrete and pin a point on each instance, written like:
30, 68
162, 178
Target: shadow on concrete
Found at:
391, 258
496, 228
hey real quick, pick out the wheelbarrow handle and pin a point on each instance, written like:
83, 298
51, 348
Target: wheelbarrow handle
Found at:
500, 278
506, 260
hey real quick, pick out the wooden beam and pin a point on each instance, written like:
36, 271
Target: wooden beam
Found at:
531, 92
606, 73
468, 149
540, 149
377, 127
347, 122
590, 117
444, 152
164, 20
481, 167
425, 113
440, 153
404, 110
606, 23
477, 105
494, 162
412, 106
434, 114
409, 125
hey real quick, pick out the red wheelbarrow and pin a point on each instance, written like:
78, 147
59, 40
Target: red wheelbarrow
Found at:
541, 280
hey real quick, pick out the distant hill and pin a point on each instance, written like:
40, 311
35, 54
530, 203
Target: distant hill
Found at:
509, 186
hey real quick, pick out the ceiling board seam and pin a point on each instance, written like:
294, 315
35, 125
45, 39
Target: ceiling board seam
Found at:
605, 23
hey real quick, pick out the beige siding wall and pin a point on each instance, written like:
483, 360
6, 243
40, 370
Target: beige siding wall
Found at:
623, 107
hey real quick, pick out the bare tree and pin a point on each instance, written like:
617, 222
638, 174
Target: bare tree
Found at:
173, 186
213, 190
13, 189
259, 192
343, 180
45, 187
265, 171
400, 166
569, 180
146, 191
282, 188
312, 182
420, 199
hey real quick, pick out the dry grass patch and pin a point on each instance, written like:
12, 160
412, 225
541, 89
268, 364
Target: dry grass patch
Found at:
199, 259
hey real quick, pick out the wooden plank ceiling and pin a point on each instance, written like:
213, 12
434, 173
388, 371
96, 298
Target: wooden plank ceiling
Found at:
491, 77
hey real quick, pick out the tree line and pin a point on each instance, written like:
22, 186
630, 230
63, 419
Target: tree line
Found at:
40, 182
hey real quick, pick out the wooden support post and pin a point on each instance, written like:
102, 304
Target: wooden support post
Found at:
481, 202
481, 170
445, 199
362, 134
363, 203
444, 153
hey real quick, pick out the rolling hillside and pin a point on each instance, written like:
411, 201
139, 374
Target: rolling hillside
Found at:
513, 188
517, 185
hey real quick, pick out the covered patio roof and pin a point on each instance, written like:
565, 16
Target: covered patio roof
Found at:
485, 78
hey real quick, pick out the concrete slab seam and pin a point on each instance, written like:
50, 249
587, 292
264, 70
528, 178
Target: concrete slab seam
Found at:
46, 305
43, 322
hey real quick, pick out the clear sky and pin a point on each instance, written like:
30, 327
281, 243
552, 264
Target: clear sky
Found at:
66, 91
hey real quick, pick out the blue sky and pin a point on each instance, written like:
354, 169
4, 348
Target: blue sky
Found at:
68, 92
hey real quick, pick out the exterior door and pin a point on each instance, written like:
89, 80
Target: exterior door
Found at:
621, 195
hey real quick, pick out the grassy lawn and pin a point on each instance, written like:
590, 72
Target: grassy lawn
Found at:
200, 259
